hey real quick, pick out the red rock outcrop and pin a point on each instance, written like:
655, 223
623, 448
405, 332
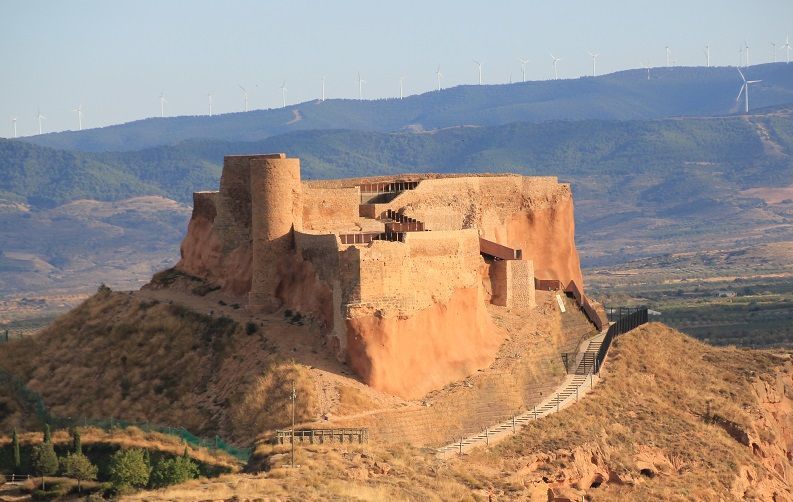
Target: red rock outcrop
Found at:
409, 356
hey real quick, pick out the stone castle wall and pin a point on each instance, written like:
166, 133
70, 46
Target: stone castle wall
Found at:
277, 210
330, 210
407, 316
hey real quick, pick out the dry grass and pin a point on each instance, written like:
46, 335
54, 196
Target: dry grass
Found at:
660, 398
267, 404
352, 400
118, 355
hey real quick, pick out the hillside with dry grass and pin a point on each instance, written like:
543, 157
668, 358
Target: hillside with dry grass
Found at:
672, 419
129, 356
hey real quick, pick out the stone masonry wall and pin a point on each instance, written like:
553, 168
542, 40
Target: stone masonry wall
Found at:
329, 210
397, 277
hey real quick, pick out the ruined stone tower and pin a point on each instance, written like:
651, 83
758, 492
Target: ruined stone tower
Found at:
276, 210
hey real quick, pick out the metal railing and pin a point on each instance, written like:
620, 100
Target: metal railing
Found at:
622, 325
367, 237
322, 435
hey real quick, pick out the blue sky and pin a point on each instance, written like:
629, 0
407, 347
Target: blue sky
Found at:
115, 58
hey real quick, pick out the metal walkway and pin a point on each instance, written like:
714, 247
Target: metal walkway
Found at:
569, 391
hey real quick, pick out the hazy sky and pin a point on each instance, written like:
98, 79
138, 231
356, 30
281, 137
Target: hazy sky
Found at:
115, 58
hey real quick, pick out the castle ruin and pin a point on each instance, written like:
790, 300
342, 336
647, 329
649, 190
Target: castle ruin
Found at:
398, 271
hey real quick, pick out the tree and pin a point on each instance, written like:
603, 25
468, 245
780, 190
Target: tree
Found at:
44, 461
77, 442
15, 451
129, 468
171, 471
77, 466
47, 435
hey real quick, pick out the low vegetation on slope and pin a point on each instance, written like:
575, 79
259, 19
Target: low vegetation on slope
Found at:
672, 419
124, 356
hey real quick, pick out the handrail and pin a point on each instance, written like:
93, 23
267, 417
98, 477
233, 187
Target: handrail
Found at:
580, 298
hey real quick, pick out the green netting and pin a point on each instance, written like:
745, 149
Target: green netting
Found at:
33, 402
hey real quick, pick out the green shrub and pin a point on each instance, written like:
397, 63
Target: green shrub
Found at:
128, 468
77, 466
172, 471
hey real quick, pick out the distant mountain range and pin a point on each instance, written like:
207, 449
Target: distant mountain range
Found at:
655, 156
625, 95
642, 187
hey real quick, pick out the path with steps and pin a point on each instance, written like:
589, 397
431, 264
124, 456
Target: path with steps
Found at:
572, 388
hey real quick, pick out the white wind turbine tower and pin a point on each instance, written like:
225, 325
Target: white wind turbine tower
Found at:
707, 55
523, 68
668, 55
244, 95
745, 90
162, 104
646, 67
79, 112
209, 96
283, 95
40, 117
594, 63
323, 88
479, 66
787, 48
439, 75
773, 52
401, 87
360, 86
747, 52
555, 70
14, 124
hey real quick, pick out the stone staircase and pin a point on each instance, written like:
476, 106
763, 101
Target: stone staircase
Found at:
574, 386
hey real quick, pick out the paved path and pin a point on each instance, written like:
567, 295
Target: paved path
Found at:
572, 388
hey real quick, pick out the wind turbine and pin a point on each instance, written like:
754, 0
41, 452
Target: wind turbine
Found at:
773, 52
668, 55
283, 94
479, 65
162, 104
740, 56
555, 71
787, 48
707, 55
745, 90
79, 111
646, 67
594, 63
523, 68
245, 96
14, 123
210, 103
439, 75
401, 86
747, 52
40, 117
360, 86
323, 88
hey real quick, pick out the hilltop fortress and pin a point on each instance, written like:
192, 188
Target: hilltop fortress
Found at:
397, 271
